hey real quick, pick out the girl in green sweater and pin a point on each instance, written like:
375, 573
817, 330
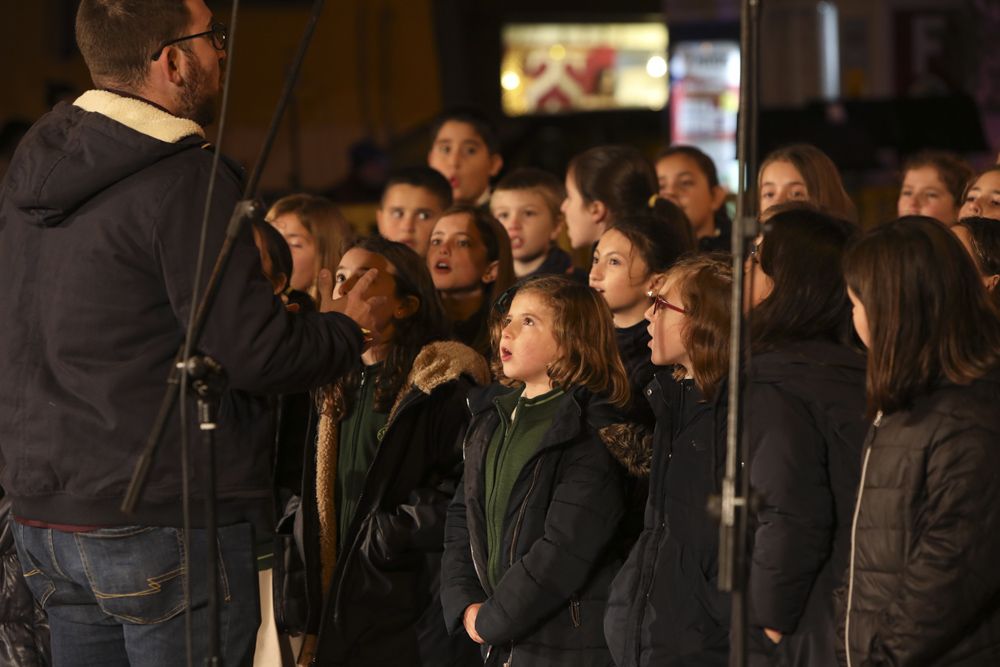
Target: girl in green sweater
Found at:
528, 539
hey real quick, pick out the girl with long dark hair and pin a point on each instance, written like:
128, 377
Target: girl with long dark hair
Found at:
529, 543
923, 587
805, 416
383, 470
664, 607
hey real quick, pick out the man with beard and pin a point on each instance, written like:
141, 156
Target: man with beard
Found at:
100, 214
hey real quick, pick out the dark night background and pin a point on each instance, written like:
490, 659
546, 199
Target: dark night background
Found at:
912, 74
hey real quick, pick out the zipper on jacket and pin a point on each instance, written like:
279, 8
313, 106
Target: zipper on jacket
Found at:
513, 542
475, 565
574, 611
521, 511
357, 430
854, 531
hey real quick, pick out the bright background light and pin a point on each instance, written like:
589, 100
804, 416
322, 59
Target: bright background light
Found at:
656, 67
510, 80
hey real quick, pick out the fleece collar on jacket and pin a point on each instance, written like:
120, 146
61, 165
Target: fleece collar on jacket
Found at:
439, 363
139, 115
76, 151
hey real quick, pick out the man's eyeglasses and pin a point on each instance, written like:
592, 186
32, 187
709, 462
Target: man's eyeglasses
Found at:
218, 33
659, 303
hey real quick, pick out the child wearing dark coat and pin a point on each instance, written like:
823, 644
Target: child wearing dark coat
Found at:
383, 471
529, 547
664, 607
804, 400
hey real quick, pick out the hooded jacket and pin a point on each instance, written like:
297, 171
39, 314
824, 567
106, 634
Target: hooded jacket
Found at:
100, 215
664, 607
805, 407
923, 583
374, 593
558, 555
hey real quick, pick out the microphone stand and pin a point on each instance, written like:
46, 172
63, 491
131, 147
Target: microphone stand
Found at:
207, 377
735, 505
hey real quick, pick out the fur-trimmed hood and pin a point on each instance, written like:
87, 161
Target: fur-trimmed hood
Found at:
631, 445
441, 362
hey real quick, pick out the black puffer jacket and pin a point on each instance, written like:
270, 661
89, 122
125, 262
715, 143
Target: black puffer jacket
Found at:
805, 414
558, 555
664, 607
387, 576
924, 581
24, 628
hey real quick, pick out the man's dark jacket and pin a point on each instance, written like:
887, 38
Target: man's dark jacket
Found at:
99, 227
664, 607
805, 411
924, 581
557, 552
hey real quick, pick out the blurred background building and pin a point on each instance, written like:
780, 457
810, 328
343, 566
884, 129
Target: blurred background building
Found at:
868, 81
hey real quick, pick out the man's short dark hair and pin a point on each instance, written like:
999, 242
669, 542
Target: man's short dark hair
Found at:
118, 37
422, 177
483, 126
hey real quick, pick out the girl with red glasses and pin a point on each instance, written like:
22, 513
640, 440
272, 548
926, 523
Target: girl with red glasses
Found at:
664, 606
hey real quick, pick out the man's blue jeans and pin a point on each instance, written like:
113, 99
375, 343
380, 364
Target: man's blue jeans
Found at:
115, 596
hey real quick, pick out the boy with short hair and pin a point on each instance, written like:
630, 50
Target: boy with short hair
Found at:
527, 203
412, 201
465, 149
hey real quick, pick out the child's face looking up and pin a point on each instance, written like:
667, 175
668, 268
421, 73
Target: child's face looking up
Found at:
529, 222
303, 246
666, 326
528, 342
457, 255
463, 158
407, 215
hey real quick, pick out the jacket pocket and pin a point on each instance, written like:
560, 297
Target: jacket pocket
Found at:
683, 623
623, 596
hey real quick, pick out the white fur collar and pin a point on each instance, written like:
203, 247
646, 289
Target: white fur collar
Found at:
139, 116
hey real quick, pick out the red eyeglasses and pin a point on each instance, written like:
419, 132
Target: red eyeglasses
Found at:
659, 303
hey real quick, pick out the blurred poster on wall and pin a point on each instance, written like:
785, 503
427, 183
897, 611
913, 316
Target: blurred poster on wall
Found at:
552, 68
705, 89
929, 60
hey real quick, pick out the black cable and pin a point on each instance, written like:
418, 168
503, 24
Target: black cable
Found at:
189, 337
